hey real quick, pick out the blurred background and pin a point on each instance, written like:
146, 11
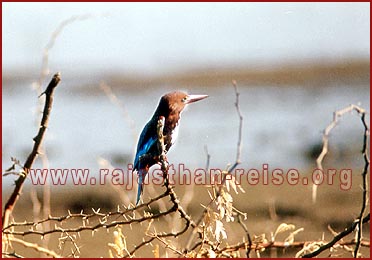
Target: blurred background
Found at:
294, 63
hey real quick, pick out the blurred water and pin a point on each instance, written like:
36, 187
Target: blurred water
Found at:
280, 125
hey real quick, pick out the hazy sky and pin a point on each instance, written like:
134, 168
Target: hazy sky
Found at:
153, 37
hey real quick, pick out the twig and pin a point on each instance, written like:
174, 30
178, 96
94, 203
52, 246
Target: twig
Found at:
337, 238
167, 245
336, 117
35, 246
278, 244
35, 151
237, 162
239, 144
364, 176
66, 237
12, 255
46, 194
249, 247
146, 242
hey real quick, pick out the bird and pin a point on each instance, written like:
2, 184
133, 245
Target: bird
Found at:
170, 107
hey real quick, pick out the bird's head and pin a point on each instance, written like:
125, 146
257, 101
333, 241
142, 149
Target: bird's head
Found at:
175, 102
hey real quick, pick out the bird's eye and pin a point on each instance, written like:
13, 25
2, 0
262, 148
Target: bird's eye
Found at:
184, 99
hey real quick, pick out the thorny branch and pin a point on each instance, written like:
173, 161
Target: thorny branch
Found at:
168, 246
164, 168
35, 150
37, 86
103, 223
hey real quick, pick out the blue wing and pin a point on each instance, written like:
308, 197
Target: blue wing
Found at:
145, 145
143, 148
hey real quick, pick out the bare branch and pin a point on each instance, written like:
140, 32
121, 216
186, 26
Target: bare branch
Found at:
239, 145
278, 244
12, 255
336, 117
35, 151
249, 247
364, 176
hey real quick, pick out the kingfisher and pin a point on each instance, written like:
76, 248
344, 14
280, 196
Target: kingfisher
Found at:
170, 107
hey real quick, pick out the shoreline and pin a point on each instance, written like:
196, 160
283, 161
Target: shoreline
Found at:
312, 74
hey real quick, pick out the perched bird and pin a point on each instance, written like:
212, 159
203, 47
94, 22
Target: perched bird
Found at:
170, 107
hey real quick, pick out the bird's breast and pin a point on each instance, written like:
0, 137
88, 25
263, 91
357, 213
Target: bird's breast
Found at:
171, 129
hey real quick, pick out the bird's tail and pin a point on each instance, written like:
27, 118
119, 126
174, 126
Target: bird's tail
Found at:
141, 176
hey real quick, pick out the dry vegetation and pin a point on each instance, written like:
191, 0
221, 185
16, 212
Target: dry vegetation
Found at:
164, 226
